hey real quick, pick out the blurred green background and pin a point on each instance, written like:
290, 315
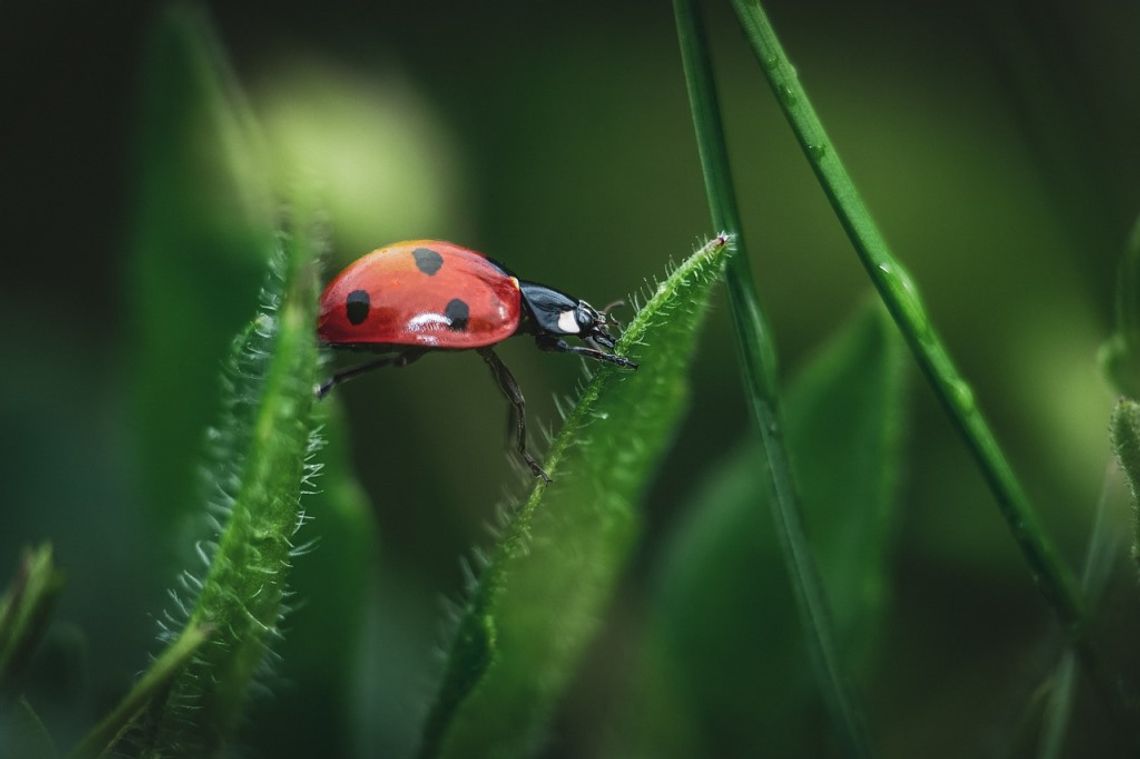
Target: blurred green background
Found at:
995, 143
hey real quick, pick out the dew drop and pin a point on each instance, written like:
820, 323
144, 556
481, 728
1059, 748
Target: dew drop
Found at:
786, 95
771, 61
817, 152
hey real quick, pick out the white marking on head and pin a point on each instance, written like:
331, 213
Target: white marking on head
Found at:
568, 322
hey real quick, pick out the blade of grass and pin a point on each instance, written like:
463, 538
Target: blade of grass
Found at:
25, 611
543, 591
758, 362
1053, 578
157, 676
313, 714
260, 470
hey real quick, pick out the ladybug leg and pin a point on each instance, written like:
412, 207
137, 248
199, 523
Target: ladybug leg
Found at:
558, 345
400, 359
510, 387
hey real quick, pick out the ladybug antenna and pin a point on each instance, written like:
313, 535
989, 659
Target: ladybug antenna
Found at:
616, 304
605, 312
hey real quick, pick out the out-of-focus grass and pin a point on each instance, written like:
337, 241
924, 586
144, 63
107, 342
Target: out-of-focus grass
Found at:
103, 737
202, 232
723, 662
25, 610
1120, 355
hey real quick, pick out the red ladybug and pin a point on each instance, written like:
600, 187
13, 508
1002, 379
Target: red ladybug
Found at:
426, 295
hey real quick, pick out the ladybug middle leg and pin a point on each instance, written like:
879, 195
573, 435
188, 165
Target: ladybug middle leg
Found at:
403, 358
558, 345
510, 387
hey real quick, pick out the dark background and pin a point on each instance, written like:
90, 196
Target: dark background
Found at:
994, 142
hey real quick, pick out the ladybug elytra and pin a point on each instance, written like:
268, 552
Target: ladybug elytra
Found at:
410, 298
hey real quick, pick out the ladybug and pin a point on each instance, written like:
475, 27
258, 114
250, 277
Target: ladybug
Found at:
410, 298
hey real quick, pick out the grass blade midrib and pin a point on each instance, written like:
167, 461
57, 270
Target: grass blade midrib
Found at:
758, 363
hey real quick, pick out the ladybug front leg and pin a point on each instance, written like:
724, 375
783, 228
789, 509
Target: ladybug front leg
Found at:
558, 345
400, 359
510, 387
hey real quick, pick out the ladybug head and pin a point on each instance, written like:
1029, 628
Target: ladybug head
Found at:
593, 324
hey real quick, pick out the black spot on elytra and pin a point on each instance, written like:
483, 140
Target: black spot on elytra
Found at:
427, 260
458, 313
357, 305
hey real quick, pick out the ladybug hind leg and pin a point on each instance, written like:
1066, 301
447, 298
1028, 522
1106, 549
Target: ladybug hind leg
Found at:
510, 388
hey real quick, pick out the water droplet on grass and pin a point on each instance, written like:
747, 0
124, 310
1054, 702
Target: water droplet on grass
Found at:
963, 395
905, 294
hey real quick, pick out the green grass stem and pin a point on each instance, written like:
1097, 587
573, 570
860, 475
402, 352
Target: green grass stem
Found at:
1052, 577
758, 361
